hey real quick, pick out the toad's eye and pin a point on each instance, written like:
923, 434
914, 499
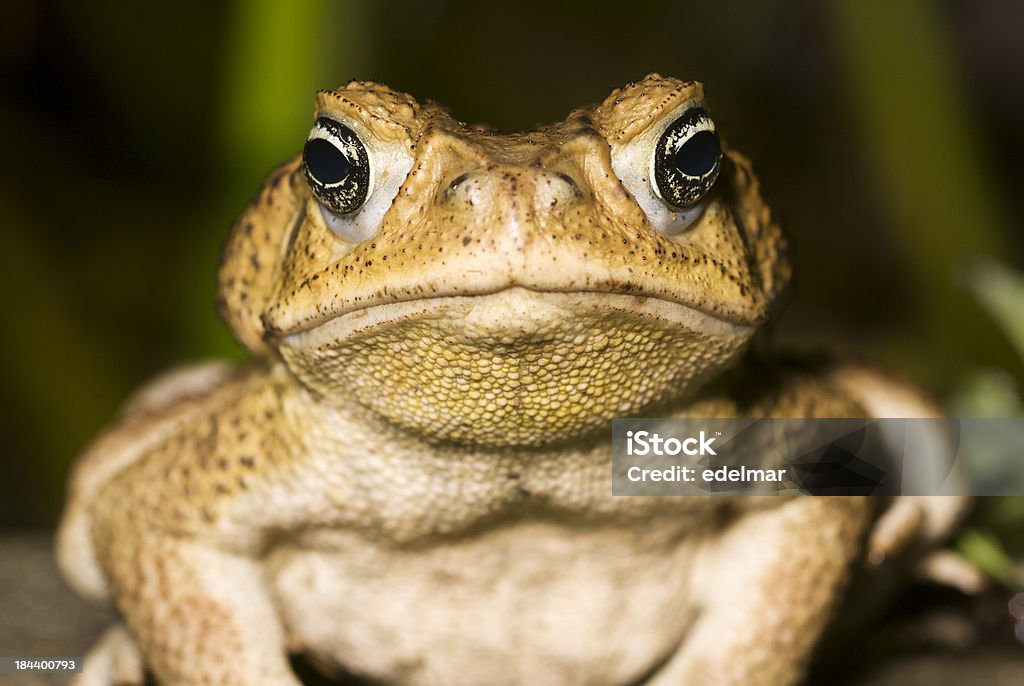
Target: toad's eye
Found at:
337, 166
686, 160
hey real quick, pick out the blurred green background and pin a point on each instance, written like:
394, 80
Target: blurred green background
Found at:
888, 137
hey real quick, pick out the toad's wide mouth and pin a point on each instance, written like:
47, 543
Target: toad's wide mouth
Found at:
517, 312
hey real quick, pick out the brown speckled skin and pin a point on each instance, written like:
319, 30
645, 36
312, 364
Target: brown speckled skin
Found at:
412, 478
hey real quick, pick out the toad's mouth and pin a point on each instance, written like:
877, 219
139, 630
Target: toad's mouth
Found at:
518, 313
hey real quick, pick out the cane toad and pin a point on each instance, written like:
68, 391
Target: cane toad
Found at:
410, 481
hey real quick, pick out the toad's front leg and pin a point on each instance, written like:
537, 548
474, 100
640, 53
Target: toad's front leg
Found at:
766, 590
177, 538
201, 615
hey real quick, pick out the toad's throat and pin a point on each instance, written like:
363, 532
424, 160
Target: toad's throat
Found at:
516, 367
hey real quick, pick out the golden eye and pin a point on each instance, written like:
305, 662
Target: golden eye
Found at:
336, 166
687, 159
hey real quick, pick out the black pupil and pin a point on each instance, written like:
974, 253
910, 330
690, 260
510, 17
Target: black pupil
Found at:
698, 155
325, 162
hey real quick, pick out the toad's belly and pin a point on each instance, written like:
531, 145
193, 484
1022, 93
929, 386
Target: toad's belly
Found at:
529, 604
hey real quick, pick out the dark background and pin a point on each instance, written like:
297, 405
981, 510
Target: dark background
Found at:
888, 137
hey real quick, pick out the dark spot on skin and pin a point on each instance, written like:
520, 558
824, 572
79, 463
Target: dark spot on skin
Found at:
222, 463
513, 475
466, 240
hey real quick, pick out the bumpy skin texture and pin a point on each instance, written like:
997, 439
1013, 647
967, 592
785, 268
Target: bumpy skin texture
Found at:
411, 480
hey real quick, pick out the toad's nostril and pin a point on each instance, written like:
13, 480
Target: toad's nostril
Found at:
457, 181
555, 188
569, 181
465, 191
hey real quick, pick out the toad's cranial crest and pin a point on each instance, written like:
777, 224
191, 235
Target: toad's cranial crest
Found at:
411, 480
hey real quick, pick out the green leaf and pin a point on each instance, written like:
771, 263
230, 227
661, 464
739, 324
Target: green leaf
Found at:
1000, 290
984, 550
